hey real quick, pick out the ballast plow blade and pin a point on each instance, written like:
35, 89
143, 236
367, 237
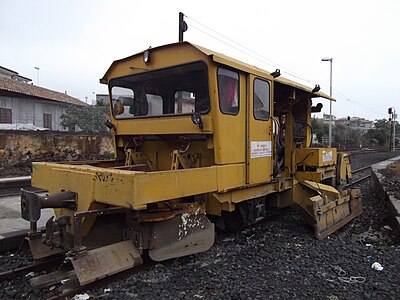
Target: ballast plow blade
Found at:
108, 260
326, 208
182, 235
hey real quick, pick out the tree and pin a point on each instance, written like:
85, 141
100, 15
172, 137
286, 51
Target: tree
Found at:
378, 136
319, 129
87, 118
346, 137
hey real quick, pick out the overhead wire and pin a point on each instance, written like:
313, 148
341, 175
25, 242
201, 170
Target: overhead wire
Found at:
255, 54
251, 53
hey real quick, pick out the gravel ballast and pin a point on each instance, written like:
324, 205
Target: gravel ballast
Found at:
275, 259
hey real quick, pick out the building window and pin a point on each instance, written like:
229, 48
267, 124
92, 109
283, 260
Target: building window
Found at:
47, 121
5, 116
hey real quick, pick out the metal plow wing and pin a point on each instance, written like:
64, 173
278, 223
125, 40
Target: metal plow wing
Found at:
182, 235
325, 208
105, 261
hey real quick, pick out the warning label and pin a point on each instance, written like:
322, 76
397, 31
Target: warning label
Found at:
261, 149
327, 156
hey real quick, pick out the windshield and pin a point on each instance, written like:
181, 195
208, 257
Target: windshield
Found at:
172, 91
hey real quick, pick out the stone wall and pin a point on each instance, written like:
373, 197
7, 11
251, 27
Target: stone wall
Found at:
20, 148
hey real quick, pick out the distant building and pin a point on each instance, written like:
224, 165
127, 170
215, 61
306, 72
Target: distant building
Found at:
356, 123
10, 74
325, 119
26, 106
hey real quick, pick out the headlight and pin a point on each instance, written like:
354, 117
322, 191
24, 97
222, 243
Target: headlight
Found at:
146, 56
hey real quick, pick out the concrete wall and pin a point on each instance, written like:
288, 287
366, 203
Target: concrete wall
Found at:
30, 111
22, 147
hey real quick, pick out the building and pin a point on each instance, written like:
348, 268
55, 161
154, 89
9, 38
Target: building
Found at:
356, 123
26, 106
10, 74
326, 118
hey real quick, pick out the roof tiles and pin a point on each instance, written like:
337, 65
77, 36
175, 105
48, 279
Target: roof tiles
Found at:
36, 91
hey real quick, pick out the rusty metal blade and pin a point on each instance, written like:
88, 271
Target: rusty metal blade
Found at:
39, 250
101, 262
182, 235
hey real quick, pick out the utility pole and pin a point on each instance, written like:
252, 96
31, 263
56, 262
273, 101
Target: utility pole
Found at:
330, 59
392, 117
37, 75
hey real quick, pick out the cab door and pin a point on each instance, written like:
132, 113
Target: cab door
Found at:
259, 133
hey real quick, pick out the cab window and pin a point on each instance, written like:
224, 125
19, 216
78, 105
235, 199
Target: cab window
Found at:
166, 92
228, 91
261, 103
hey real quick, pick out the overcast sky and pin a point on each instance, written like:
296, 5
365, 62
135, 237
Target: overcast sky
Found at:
74, 42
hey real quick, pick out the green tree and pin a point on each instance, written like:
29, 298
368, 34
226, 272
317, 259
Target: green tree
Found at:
87, 118
346, 137
319, 128
378, 136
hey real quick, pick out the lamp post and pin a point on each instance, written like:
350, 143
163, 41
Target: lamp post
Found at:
392, 117
37, 75
330, 59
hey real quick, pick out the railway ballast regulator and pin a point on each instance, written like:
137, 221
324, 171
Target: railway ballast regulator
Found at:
200, 140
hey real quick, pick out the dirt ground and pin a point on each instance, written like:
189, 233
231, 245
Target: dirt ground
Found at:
19, 149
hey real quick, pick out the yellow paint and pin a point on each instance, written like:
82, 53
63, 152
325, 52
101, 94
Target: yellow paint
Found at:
316, 157
223, 169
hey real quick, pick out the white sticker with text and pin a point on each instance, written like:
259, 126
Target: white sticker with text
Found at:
261, 149
327, 156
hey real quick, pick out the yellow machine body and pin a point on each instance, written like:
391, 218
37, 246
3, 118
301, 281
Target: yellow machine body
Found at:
190, 125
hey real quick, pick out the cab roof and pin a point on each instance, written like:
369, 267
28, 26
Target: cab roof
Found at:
229, 61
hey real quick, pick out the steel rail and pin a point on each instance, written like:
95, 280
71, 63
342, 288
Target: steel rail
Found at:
69, 293
36, 266
12, 186
360, 169
359, 180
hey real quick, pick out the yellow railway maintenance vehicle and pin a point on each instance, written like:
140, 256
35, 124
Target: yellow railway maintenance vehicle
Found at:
198, 136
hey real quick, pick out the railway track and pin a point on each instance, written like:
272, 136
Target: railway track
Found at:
68, 291
12, 186
358, 178
57, 276
37, 266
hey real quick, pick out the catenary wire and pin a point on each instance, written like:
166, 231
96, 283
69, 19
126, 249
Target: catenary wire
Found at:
247, 51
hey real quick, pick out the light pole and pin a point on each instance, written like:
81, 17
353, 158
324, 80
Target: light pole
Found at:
330, 59
37, 75
392, 117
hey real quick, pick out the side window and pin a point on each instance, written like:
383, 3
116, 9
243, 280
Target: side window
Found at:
261, 103
228, 91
